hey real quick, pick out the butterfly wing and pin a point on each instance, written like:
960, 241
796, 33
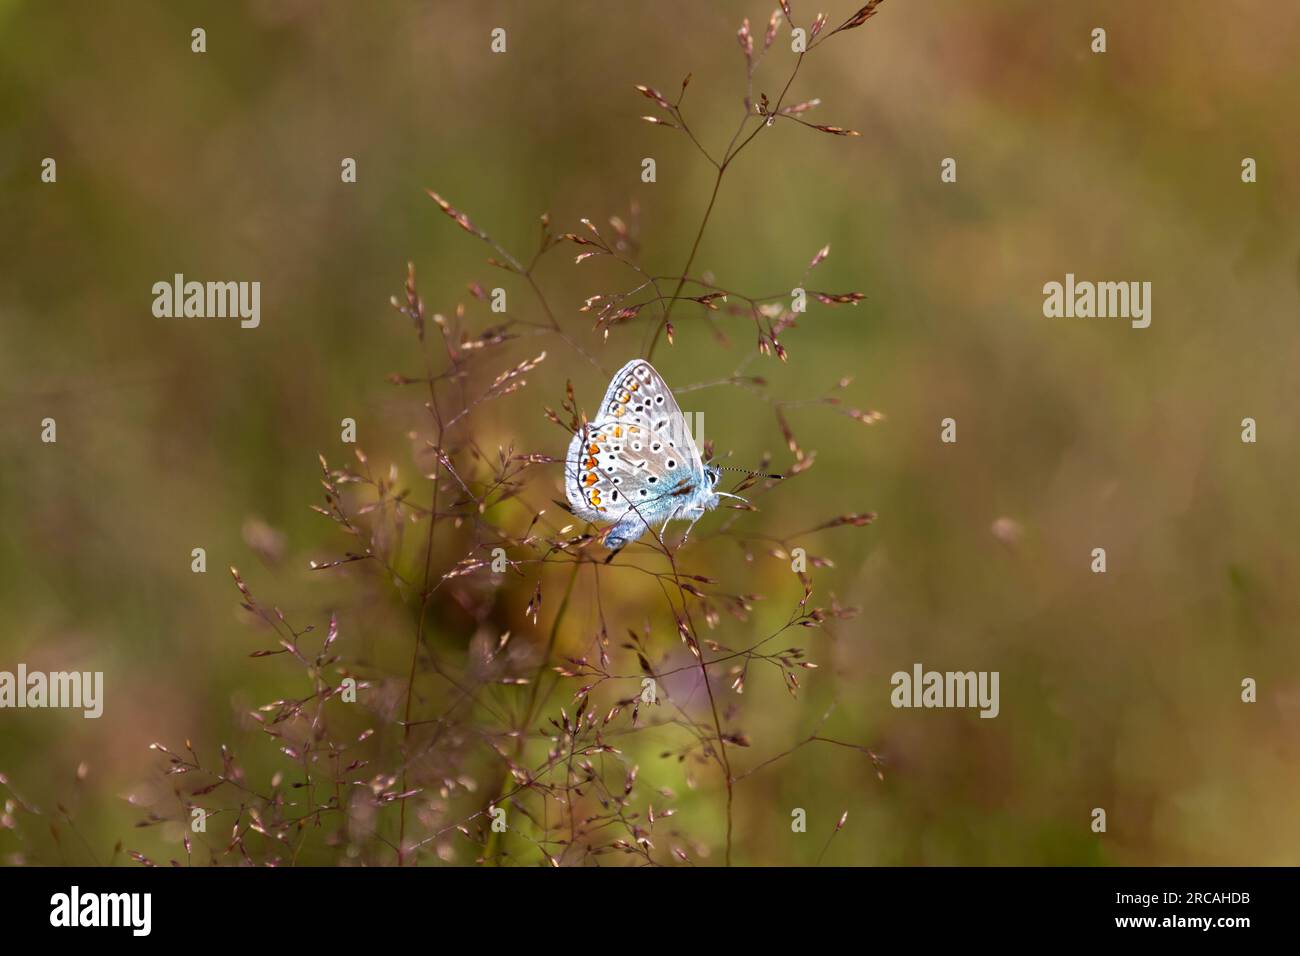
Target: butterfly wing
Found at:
584, 498
636, 462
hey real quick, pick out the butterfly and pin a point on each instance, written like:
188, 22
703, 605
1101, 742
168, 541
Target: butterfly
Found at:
635, 464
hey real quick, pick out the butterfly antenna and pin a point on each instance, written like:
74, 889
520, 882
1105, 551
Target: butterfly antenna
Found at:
752, 474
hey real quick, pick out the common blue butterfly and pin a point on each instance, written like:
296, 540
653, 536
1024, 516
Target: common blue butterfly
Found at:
635, 464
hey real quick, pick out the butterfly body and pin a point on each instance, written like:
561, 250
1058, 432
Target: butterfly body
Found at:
635, 463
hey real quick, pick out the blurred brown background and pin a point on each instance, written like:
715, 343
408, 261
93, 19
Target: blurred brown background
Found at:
1118, 690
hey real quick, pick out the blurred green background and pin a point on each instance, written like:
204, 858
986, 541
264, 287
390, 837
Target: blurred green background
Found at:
1118, 691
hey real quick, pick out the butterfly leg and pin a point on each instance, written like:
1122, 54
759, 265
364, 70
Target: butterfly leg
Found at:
689, 529
727, 494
